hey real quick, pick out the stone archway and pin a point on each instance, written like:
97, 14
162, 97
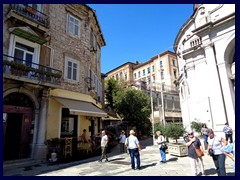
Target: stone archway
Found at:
18, 112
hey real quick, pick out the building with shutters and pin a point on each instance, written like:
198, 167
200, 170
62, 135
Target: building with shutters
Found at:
52, 81
157, 75
205, 46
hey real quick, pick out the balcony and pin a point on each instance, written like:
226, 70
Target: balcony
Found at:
18, 69
36, 17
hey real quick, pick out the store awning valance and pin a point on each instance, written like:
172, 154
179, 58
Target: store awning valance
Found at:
28, 33
81, 107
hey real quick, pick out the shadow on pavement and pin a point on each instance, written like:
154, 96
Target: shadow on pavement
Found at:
148, 165
211, 171
116, 159
172, 159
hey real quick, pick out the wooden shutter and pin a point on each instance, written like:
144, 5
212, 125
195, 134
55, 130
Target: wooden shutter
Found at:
45, 56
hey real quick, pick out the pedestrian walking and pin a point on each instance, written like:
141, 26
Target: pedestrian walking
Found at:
204, 131
122, 139
104, 142
134, 147
215, 143
160, 140
228, 132
194, 143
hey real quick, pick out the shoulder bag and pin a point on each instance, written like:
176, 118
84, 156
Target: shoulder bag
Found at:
198, 151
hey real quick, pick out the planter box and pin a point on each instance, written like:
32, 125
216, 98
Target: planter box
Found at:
177, 149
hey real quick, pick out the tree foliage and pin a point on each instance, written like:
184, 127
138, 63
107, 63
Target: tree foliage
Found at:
112, 87
173, 130
133, 106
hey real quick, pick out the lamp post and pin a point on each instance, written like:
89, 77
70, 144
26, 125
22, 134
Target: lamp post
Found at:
163, 111
152, 114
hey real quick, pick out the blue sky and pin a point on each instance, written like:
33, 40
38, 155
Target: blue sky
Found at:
138, 31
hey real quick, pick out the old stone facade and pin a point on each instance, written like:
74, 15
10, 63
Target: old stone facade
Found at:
52, 72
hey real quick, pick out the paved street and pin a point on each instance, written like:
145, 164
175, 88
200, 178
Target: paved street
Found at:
119, 165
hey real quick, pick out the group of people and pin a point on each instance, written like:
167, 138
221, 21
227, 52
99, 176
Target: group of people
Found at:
131, 143
217, 148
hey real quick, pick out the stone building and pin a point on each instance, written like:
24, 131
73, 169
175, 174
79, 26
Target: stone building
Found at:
52, 81
156, 75
205, 46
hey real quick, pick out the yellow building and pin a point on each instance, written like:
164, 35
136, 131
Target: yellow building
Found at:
158, 74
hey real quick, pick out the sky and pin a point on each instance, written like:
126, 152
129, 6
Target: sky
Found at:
138, 32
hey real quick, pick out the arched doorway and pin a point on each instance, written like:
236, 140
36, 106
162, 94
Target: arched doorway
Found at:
17, 121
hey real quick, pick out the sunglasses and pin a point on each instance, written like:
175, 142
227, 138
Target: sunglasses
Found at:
190, 134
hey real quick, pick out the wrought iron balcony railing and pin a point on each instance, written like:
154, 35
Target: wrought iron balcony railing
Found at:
36, 72
30, 13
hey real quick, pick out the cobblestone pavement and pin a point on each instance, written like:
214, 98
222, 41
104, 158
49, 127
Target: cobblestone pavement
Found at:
119, 165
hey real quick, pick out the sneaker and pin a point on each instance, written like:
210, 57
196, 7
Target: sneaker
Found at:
99, 160
106, 160
163, 161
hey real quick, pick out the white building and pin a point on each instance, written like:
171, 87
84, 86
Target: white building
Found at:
205, 46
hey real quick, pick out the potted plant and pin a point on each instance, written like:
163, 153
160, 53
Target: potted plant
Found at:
175, 131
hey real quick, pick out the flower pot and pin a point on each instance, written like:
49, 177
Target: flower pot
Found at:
177, 149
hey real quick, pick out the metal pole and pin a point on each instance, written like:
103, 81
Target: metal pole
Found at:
163, 111
152, 115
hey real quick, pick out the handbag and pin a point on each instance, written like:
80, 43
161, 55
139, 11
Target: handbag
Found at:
198, 151
164, 146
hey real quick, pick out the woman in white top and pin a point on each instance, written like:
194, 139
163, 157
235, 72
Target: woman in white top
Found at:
216, 143
160, 140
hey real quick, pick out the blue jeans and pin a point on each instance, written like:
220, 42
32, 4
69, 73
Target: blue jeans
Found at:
163, 154
205, 138
219, 161
134, 153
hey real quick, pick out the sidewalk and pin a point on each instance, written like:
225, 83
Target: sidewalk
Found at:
119, 165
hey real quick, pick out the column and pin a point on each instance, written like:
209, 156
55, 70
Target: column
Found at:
41, 148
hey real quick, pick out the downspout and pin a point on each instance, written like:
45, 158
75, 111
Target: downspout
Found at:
223, 100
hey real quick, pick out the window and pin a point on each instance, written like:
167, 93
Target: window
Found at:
125, 76
121, 75
148, 70
161, 64
152, 68
173, 62
139, 73
162, 75
71, 70
144, 72
175, 73
73, 26
135, 75
67, 125
116, 76
23, 49
23, 52
38, 7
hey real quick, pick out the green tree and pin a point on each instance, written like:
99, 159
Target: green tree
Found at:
134, 107
196, 125
173, 130
112, 87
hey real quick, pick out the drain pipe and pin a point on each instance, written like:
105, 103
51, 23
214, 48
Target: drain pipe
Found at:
223, 100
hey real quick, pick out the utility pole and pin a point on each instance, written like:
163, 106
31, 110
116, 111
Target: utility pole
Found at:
152, 115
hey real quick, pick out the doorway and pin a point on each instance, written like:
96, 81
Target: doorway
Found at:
13, 126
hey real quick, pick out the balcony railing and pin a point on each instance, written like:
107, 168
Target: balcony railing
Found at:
32, 71
30, 13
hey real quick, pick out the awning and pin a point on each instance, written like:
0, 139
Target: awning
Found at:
81, 107
28, 33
